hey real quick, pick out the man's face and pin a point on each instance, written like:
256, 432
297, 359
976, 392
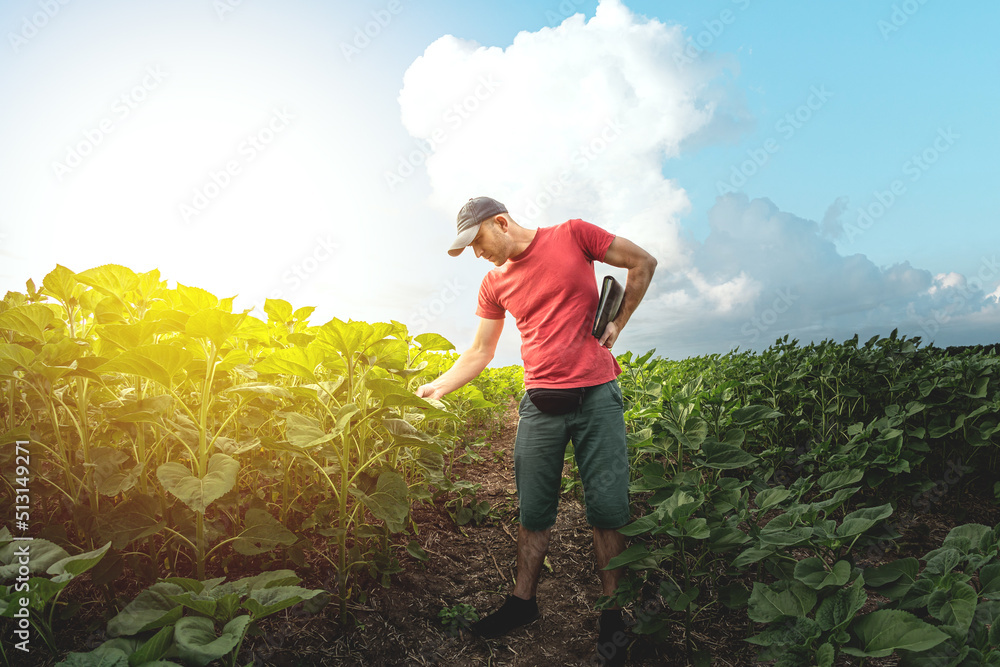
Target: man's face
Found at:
493, 243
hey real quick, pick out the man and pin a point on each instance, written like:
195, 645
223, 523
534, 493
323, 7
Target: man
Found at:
545, 278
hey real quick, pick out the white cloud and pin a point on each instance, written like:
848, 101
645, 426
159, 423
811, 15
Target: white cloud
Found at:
570, 121
577, 121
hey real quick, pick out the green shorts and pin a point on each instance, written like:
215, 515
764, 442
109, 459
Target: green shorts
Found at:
597, 429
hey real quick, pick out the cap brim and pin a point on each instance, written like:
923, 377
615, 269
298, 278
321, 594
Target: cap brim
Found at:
463, 240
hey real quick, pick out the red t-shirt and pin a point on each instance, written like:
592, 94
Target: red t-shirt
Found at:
551, 291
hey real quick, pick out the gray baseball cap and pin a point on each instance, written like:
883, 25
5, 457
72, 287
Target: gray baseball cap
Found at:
470, 218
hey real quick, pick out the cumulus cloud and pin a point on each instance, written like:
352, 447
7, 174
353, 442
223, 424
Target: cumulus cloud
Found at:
832, 225
570, 121
579, 120
794, 281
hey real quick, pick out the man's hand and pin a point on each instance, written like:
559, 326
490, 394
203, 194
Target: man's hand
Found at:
610, 335
429, 390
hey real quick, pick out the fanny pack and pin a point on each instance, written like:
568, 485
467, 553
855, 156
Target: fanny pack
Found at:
557, 401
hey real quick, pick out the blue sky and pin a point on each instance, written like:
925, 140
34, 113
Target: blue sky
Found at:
817, 169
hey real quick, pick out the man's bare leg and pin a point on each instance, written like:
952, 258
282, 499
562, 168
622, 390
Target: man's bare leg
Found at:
532, 545
611, 639
520, 607
607, 545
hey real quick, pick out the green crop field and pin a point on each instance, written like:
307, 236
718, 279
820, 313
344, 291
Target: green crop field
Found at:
211, 459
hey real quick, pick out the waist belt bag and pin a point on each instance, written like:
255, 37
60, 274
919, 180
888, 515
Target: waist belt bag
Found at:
557, 401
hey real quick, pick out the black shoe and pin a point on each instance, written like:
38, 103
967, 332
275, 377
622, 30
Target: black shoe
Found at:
514, 613
611, 638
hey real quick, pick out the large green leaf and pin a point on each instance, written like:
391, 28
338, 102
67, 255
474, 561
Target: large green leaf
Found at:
196, 641
785, 537
268, 579
61, 283
954, 607
859, 521
105, 655
278, 310
199, 492
390, 500
161, 362
881, 632
167, 320
796, 632
692, 436
266, 601
213, 324
15, 356
40, 555
404, 433
202, 604
30, 320
346, 338
110, 279
751, 414
388, 353
903, 572
154, 648
262, 533
152, 608
723, 456
252, 389
680, 505
968, 538
839, 478
814, 573
837, 610
305, 432
825, 655
752, 555
128, 336
989, 581
640, 526
192, 299
133, 519
769, 603
71, 566
298, 361
770, 497
109, 476
433, 341
636, 557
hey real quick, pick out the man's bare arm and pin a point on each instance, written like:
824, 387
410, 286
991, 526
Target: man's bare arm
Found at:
641, 265
470, 363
